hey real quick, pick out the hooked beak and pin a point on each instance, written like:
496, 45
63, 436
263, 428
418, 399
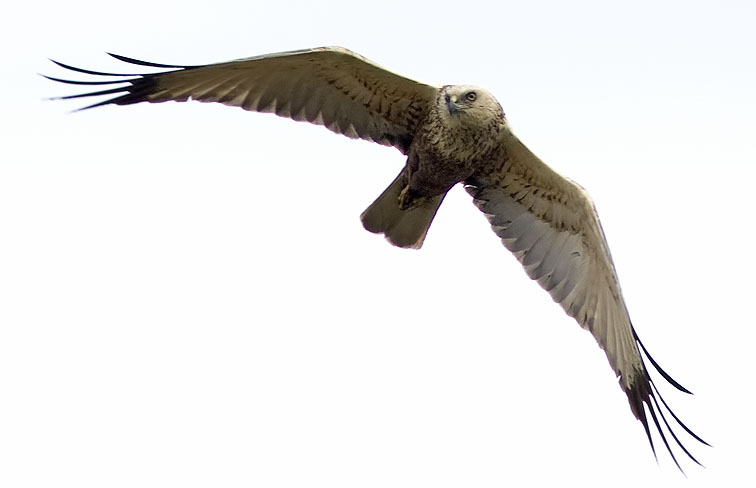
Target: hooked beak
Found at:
451, 104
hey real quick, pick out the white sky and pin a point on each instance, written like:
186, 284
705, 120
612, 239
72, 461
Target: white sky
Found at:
188, 298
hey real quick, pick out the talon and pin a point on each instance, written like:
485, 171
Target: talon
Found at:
407, 198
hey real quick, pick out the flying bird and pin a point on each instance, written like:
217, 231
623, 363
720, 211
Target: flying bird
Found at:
450, 134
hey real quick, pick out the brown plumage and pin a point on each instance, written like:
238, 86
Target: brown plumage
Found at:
451, 134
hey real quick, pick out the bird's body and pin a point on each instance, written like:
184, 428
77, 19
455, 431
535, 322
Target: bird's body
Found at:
449, 135
456, 139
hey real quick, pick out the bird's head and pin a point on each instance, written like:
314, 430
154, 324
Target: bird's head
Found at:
469, 105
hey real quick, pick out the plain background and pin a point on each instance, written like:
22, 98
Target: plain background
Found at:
187, 296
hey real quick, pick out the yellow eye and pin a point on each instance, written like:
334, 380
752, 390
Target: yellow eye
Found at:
471, 96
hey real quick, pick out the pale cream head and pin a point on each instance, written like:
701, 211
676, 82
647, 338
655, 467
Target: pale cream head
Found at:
469, 105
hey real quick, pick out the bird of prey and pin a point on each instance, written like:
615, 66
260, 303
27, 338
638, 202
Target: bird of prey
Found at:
450, 134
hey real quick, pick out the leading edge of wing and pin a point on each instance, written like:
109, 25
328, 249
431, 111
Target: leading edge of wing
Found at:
135, 94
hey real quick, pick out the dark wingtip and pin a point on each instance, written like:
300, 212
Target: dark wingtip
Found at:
644, 395
679, 422
149, 64
664, 374
669, 429
90, 72
131, 87
96, 93
76, 82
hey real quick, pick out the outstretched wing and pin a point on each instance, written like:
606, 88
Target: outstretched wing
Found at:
551, 226
328, 86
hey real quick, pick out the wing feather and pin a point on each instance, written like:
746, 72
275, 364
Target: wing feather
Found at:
551, 226
329, 86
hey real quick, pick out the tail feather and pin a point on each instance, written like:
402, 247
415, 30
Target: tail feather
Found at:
402, 228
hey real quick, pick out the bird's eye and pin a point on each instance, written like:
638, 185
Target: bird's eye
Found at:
471, 96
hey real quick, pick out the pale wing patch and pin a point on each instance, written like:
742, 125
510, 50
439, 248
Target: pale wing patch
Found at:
550, 225
567, 265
